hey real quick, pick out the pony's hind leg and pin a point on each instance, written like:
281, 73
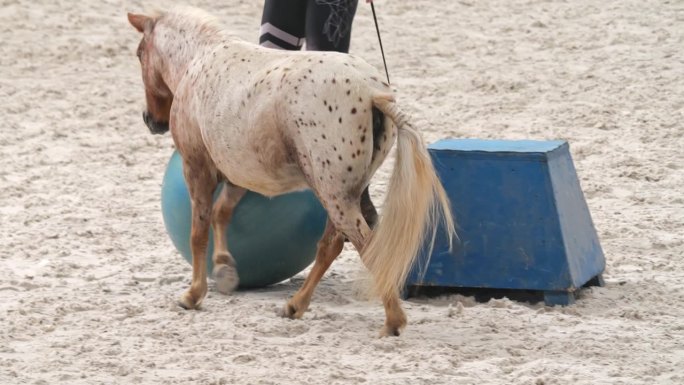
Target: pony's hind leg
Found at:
395, 318
225, 271
351, 223
329, 247
368, 209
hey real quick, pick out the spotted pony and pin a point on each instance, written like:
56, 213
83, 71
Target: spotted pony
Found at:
274, 122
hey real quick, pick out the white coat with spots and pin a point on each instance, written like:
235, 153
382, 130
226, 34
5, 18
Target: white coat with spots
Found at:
274, 122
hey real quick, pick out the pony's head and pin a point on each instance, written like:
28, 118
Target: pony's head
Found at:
157, 93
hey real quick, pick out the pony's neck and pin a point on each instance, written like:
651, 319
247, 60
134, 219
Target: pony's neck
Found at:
179, 44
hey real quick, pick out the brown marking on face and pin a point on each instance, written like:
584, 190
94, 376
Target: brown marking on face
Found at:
157, 94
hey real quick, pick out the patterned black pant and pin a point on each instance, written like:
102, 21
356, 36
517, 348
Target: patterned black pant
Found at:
325, 25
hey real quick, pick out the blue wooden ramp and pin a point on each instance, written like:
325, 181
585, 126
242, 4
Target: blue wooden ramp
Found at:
523, 223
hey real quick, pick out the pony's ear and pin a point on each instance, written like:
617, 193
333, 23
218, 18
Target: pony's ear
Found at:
139, 21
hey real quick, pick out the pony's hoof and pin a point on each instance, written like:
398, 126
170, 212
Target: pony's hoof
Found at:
226, 278
390, 331
291, 311
188, 302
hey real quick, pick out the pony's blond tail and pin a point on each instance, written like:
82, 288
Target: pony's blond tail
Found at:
415, 203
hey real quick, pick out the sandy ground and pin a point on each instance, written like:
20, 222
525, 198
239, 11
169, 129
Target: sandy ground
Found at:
89, 278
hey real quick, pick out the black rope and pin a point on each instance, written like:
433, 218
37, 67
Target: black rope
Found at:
380, 40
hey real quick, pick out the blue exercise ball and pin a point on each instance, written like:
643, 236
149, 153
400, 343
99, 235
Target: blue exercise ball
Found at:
271, 239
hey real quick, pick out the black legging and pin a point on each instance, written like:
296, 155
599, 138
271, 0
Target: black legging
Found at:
325, 25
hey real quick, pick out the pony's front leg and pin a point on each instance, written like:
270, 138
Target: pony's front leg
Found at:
225, 271
201, 180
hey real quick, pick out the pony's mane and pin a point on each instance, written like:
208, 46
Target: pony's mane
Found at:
191, 18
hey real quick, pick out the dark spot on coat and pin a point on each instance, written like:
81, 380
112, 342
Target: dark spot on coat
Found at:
353, 111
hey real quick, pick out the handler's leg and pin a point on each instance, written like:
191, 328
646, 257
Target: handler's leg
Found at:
282, 24
328, 24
